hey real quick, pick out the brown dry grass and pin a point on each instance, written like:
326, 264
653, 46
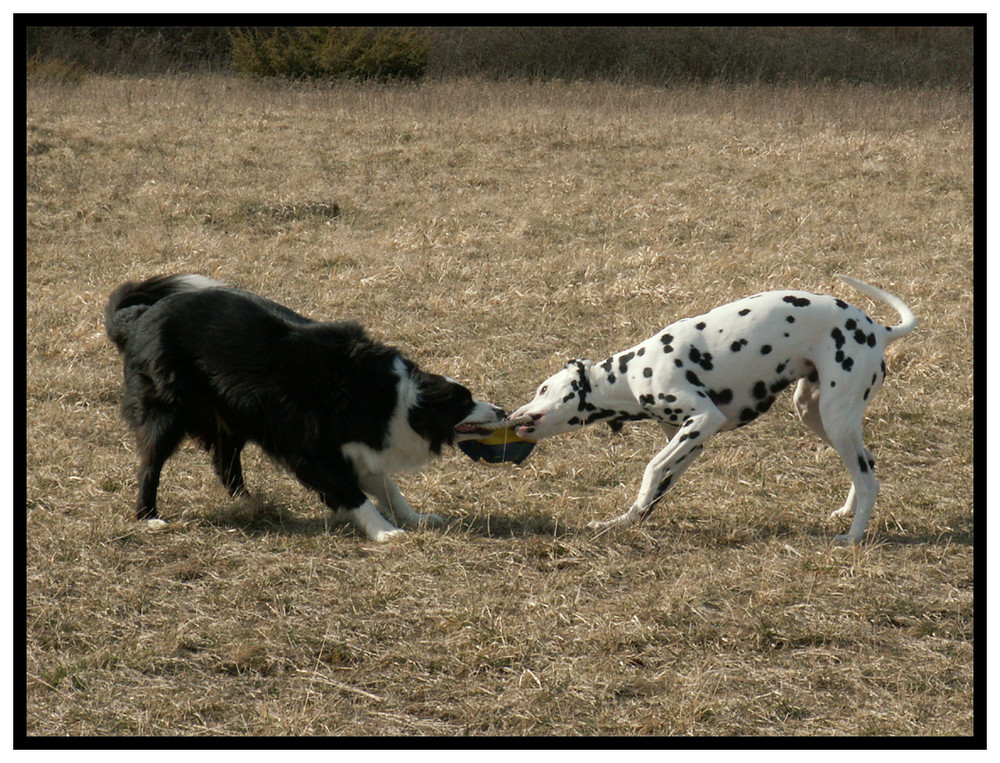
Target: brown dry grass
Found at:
491, 231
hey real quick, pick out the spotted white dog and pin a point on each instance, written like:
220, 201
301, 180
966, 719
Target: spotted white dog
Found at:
723, 369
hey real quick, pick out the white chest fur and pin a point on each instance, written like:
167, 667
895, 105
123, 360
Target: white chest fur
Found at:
403, 449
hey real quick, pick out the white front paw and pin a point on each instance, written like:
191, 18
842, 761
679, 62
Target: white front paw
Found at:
384, 535
429, 519
845, 539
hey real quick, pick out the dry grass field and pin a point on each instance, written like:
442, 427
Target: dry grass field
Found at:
491, 231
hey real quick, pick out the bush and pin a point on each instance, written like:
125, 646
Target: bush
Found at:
893, 56
129, 49
55, 70
327, 52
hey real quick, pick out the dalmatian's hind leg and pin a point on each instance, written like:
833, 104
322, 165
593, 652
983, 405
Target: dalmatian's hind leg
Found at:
842, 423
806, 401
667, 466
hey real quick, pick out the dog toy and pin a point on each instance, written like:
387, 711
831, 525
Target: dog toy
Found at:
500, 446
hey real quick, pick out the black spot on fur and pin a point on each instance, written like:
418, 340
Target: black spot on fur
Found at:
646, 400
790, 318
851, 324
841, 304
838, 337
737, 346
813, 376
703, 359
700, 326
862, 464
781, 367
611, 378
872, 339
759, 391
641, 352
745, 311
678, 362
747, 415
721, 397
765, 350
598, 415
779, 385
607, 364
692, 377
623, 361
647, 372
860, 337
796, 301
765, 404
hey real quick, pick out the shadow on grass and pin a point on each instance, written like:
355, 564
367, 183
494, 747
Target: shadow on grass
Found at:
256, 516
259, 516
501, 526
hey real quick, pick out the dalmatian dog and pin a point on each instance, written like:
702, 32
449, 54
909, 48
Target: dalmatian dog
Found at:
723, 369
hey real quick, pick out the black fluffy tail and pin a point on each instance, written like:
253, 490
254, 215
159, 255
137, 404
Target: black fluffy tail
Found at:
131, 299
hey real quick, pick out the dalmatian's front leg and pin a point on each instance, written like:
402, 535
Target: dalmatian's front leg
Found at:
668, 465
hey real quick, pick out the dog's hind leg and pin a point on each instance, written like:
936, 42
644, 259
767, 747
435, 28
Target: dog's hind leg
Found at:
226, 461
806, 400
668, 465
842, 423
157, 436
386, 492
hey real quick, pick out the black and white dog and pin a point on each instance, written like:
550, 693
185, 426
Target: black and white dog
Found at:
722, 370
337, 409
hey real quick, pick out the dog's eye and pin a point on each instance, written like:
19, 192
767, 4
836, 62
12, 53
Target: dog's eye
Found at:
544, 389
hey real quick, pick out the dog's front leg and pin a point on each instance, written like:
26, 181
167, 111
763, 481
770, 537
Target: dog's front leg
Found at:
338, 486
376, 527
387, 494
668, 465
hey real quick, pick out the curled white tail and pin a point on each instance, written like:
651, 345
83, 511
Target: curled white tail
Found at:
909, 320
